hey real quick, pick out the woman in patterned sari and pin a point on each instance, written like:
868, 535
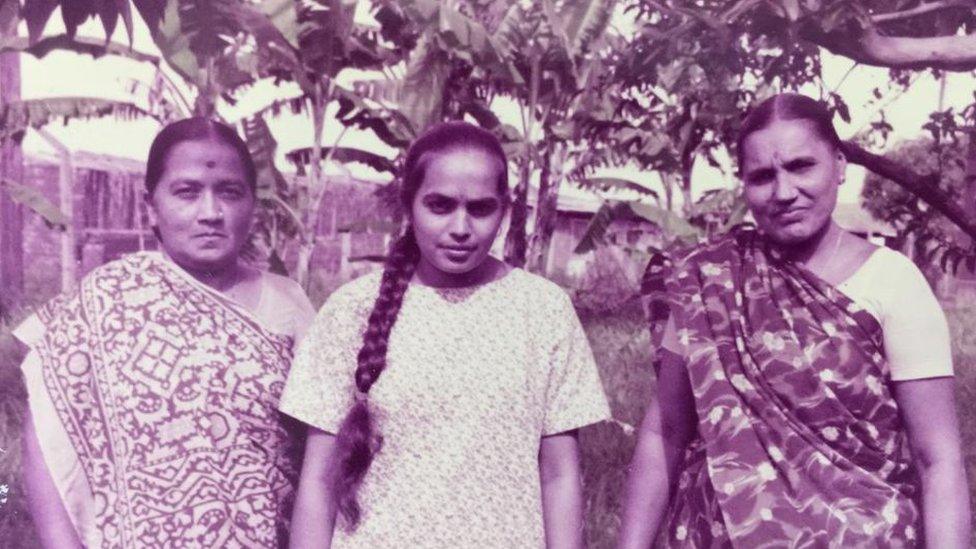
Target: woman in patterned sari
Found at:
153, 388
805, 396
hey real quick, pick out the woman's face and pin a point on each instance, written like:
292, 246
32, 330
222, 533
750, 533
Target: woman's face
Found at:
790, 176
203, 205
457, 212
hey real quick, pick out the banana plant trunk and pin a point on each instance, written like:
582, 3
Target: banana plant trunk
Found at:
550, 178
316, 189
515, 241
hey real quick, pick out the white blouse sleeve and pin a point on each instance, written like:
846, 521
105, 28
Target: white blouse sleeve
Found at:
320, 385
574, 394
916, 334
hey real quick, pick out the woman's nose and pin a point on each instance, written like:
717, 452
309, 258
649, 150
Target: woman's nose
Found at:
210, 208
784, 189
460, 227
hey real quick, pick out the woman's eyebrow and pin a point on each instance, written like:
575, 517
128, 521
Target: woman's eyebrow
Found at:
799, 161
489, 201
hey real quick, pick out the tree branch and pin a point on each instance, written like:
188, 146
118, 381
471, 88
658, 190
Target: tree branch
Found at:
923, 186
921, 9
952, 53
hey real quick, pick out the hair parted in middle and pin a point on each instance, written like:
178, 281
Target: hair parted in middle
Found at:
358, 439
789, 106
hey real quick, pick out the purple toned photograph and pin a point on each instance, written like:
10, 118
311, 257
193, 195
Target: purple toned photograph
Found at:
615, 274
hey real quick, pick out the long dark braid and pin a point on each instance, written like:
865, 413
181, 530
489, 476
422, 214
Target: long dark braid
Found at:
358, 439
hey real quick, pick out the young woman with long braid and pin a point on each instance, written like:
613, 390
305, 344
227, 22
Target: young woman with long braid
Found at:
444, 393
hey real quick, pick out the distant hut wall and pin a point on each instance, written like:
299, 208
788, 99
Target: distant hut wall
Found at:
351, 234
623, 234
109, 217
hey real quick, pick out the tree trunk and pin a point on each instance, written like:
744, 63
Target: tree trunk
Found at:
516, 244
685, 184
515, 240
11, 213
316, 189
969, 208
550, 180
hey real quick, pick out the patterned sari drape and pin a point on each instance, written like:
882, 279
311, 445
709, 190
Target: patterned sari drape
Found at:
168, 392
800, 442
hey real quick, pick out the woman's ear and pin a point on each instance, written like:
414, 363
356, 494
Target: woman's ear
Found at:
841, 167
150, 209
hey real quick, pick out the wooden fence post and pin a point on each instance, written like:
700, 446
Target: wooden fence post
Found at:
11, 213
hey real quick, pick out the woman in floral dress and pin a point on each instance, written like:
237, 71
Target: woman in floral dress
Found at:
444, 393
805, 390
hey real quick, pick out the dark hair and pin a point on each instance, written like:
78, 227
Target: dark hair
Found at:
789, 106
358, 439
194, 129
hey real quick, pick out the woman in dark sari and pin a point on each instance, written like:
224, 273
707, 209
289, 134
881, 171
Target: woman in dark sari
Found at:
804, 389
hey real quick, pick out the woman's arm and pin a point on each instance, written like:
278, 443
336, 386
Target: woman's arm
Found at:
51, 521
313, 520
929, 412
562, 490
667, 428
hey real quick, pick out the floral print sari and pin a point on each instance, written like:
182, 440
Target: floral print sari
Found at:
799, 440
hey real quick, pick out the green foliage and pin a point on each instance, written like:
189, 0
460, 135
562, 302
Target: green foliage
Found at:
937, 242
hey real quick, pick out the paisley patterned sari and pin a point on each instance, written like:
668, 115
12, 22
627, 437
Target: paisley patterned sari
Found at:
164, 393
799, 442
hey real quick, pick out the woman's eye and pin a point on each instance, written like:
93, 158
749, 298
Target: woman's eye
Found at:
482, 209
759, 178
185, 193
440, 207
232, 193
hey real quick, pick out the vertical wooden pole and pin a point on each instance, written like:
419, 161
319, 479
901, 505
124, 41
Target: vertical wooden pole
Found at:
11, 213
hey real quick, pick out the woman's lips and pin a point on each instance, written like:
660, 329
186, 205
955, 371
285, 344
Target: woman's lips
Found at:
791, 215
458, 253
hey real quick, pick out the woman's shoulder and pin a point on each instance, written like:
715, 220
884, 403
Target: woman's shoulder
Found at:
285, 291
895, 268
354, 296
537, 292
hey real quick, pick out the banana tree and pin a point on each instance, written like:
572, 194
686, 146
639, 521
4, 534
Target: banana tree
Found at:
541, 55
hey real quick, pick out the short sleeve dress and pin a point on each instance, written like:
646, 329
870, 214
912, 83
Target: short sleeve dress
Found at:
474, 378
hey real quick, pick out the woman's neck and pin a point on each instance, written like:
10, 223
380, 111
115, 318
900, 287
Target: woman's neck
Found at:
221, 278
489, 270
826, 254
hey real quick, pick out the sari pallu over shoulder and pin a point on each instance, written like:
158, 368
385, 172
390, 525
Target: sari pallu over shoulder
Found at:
167, 393
799, 439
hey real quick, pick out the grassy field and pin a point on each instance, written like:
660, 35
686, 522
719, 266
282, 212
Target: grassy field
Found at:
620, 342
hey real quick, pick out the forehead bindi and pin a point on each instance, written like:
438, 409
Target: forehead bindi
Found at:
208, 153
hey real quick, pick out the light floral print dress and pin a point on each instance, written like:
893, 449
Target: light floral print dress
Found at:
474, 378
